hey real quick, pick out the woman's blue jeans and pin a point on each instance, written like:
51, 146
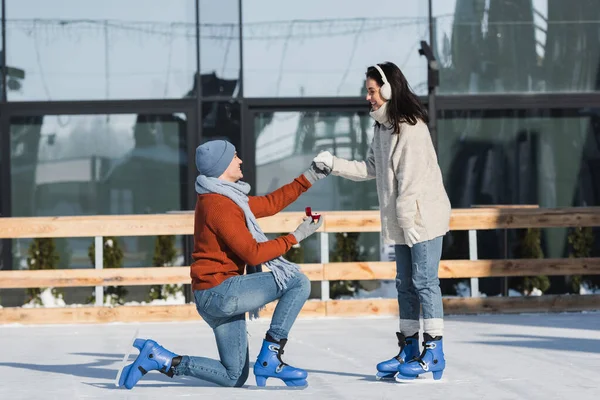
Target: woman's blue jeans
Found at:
419, 287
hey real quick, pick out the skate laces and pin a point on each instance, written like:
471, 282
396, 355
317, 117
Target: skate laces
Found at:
426, 346
281, 363
403, 347
399, 356
278, 353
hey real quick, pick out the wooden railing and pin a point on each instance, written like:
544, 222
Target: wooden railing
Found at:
353, 221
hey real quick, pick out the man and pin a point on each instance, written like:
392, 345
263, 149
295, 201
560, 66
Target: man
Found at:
228, 240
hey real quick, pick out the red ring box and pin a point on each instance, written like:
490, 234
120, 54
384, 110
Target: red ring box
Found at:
315, 217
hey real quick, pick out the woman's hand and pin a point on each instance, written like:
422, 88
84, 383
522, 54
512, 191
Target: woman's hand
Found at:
411, 236
320, 167
324, 160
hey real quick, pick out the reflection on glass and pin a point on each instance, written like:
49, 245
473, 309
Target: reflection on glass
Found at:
221, 120
323, 48
111, 49
546, 157
220, 46
94, 165
3, 242
517, 46
286, 143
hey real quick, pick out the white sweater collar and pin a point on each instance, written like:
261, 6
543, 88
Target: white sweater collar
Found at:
380, 115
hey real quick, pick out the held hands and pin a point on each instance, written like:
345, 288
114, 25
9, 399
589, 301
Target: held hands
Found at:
411, 236
324, 160
321, 166
307, 228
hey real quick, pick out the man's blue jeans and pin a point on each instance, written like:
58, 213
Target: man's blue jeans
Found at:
224, 308
419, 287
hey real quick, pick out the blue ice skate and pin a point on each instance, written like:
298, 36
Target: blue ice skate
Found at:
431, 360
152, 357
269, 365
409, 349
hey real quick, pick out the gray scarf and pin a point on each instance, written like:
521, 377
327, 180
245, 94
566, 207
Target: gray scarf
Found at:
281, 268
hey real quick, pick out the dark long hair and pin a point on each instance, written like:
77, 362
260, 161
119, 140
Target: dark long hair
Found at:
404, 106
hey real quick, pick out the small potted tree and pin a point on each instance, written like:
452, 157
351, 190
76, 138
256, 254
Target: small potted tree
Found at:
581, 242
42, 254
530, 246
165, 254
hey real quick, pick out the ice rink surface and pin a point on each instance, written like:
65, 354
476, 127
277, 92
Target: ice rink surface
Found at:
525, 356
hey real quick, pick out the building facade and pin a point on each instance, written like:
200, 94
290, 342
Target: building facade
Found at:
103, 104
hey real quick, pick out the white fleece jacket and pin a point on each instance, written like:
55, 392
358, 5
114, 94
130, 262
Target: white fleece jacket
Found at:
409, 182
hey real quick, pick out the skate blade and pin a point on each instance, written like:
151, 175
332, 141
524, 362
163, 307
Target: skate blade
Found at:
126, 357
283, 387
420, 380
300, 384
385, 376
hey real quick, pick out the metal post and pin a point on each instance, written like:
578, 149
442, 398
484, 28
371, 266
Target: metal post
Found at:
432, 111
472, 257
324, 260
433, 79
505, 279
198, 81
99, 262
6, 256
241, 50
3, 96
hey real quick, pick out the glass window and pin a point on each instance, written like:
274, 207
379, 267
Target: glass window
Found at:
3, 242
546, 157
109, 49
94, 165
323, 48
219, 47
517, 46
286, 143
221, 120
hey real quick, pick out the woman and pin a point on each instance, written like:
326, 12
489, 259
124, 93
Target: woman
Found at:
228, 241
415, 214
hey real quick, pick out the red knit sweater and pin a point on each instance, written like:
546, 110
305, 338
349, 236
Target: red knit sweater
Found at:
223, 245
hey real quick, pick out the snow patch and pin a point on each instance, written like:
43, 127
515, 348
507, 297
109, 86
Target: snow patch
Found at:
179, 260
514, 293
463, 289
387, 290
178, 298
535, 292
585, 288
48, 300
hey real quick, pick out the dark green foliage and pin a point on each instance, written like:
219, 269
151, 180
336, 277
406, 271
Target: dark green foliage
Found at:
345, 250
581, 242
530, 246
164, 256
42, 255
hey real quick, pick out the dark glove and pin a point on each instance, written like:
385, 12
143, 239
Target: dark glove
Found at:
316, 171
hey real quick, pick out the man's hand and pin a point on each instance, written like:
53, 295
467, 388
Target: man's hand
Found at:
324, 160
307, 228
321, 166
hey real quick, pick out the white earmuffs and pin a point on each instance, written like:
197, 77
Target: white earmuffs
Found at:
386, 90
